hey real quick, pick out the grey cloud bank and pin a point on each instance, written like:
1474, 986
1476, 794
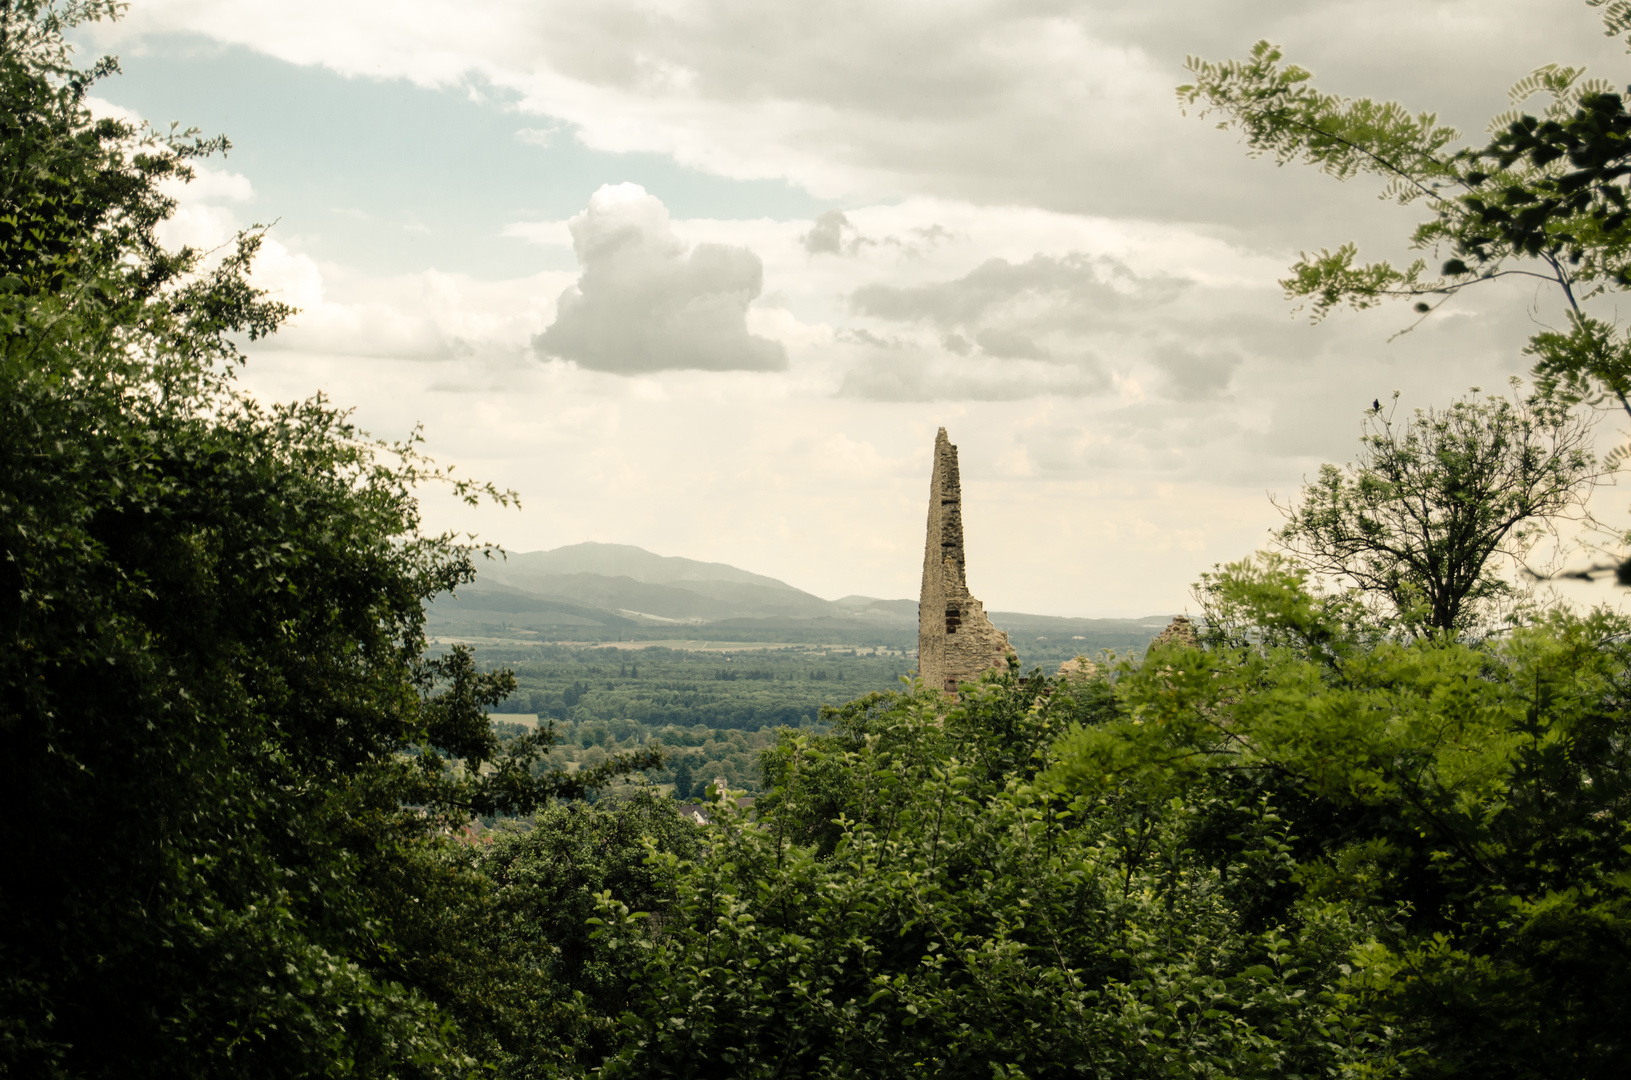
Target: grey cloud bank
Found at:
1048, 308
1066, 105
1074, 291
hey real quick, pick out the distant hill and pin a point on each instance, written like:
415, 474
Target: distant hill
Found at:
905, 609
636, 584
619, 560
606, 591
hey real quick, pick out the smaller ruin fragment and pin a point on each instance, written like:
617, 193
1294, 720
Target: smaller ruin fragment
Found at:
956, 643
1077, 669
1181, 631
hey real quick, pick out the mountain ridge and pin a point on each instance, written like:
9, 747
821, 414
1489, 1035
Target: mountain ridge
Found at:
625, 560
546, 595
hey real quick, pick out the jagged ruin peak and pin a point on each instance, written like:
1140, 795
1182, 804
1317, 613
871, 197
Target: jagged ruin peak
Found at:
955, 640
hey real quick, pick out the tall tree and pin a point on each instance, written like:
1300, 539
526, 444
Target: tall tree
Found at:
1546, 198
1469, 805
1420, 519
548, 883
227, 760
913, 900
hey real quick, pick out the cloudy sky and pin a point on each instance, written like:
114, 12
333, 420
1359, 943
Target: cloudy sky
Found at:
705, 275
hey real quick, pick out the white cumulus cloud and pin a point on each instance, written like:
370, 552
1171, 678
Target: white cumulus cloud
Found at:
647, 303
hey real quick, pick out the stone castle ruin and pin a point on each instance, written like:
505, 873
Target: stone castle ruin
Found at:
956, 643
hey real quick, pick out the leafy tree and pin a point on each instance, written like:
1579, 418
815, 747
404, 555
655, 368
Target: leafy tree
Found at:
1305, 846
1546, 198
547, 882
230, 769
1474, 801
1419, 520
955, 919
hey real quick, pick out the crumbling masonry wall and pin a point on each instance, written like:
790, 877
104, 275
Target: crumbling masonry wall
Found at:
955, 640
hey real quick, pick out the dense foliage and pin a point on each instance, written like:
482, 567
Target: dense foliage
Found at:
228, 767
960, 916
1306, 846
549, 875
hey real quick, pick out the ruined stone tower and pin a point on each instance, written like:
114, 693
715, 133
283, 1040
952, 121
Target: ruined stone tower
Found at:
955, 641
